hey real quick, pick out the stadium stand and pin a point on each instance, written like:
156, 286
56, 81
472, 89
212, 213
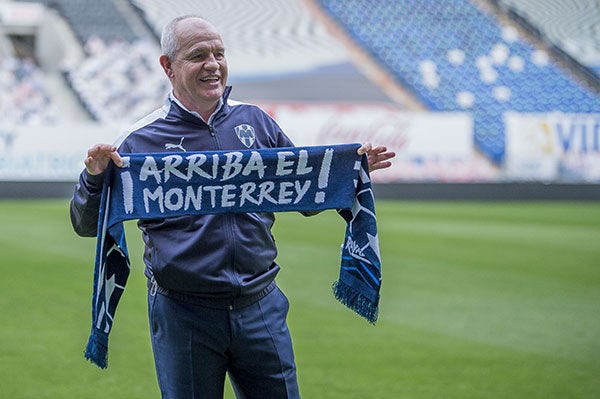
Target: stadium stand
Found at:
450, 55
456, 57
93, 18
277, 51
25, 99
119, 81
571, 26
262, 36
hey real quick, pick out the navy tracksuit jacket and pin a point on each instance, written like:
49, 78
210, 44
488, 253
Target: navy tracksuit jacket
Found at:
220, 255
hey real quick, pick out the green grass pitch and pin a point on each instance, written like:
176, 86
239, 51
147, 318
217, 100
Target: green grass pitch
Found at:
479, 300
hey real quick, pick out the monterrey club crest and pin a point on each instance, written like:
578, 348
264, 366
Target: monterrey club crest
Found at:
246, 134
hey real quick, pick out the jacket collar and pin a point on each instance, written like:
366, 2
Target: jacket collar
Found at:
191, 116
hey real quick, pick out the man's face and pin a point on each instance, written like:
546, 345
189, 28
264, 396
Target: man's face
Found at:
199, 71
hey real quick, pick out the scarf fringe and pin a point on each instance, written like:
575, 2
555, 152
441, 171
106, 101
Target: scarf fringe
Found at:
354, 300
97, 352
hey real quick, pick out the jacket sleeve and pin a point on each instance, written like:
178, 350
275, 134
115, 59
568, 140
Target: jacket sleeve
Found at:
85, 204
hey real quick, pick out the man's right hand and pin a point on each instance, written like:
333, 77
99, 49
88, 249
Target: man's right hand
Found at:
99, 156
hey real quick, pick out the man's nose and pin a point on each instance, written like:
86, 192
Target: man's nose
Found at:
211, 63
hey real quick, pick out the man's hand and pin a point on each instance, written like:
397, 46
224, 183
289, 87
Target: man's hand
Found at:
98, 157
378, 156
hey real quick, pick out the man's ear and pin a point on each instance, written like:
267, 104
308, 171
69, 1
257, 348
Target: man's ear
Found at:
166, 64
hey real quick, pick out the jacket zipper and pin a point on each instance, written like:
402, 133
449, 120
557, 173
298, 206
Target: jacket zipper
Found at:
228, 227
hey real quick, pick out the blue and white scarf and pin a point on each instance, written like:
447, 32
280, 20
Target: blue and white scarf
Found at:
262, 180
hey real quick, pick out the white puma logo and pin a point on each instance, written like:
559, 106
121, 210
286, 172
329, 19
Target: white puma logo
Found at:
170, 146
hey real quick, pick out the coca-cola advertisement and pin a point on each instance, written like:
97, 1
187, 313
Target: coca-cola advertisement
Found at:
436, 147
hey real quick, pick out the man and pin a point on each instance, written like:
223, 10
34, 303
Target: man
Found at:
214, 307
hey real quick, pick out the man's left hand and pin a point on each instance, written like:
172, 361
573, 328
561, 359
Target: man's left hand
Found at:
378, 156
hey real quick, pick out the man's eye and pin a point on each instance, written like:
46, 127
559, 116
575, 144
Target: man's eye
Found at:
197, 56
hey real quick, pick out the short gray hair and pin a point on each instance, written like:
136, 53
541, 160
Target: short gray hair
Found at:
169, 44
